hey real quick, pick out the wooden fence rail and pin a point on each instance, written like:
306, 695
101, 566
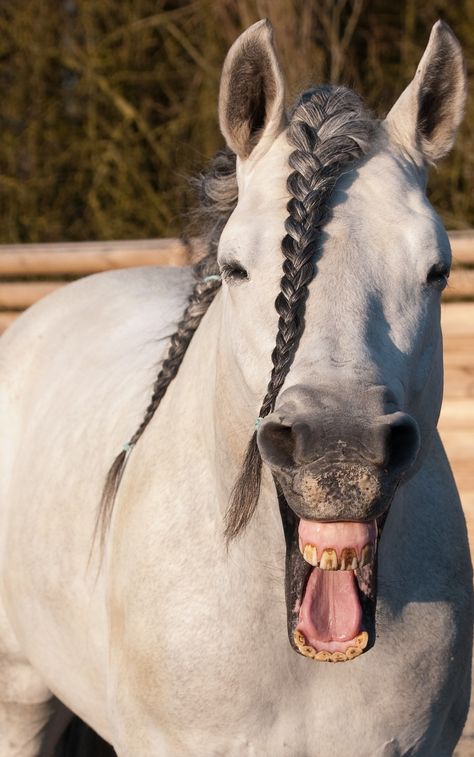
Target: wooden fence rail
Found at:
29, 272
83, 258
462, 245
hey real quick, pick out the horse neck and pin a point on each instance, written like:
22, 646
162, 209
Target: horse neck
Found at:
208, 410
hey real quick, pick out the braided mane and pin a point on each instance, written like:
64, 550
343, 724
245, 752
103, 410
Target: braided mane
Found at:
217, 192
330, 130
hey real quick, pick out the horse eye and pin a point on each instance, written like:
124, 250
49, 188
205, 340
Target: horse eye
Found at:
438, 276
233, 272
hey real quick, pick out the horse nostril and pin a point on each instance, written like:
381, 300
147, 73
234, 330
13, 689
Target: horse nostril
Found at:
276, 444
403, 441
283, 446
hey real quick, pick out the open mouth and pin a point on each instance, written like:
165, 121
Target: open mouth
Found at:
333, 589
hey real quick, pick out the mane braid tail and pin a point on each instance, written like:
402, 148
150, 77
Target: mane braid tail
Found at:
244, 496
330, 130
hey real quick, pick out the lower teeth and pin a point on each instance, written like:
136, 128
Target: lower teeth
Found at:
356, 649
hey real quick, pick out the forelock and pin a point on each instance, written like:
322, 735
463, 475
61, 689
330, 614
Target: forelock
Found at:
336, 113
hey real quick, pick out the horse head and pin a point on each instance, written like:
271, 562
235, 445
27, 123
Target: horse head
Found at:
339, 199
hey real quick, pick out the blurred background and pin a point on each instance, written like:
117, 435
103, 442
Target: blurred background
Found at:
108, 107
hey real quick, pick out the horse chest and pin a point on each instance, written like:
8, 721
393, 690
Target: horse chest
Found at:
205, 650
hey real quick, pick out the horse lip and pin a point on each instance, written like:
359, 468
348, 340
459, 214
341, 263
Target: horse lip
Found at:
318, 498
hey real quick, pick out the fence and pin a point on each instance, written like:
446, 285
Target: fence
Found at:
29, 272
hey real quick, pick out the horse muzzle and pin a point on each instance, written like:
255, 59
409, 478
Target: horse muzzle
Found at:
336, 474
333, 463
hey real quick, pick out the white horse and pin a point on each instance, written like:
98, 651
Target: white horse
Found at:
169, 635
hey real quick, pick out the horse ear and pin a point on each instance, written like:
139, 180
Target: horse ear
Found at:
252, 92
428, 113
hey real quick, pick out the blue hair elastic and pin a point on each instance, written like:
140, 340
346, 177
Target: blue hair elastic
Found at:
212, 277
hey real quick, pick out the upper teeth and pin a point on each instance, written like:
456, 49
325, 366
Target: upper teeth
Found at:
349, 559
310, 554
329, 560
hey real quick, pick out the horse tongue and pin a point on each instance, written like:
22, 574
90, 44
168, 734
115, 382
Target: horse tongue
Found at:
331, 609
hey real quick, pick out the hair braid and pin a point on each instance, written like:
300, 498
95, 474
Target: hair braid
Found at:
204, 291
202, 295
330, 130
217, 189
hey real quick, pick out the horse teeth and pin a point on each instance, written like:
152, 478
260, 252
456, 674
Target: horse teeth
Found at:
352, 652
367, 555
299, 639
323, 656
306, 649
338, 657
349, 559
361, 640
310, 554
328, 560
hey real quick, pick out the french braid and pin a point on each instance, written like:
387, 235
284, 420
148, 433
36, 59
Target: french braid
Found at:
217, 190
329, 129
